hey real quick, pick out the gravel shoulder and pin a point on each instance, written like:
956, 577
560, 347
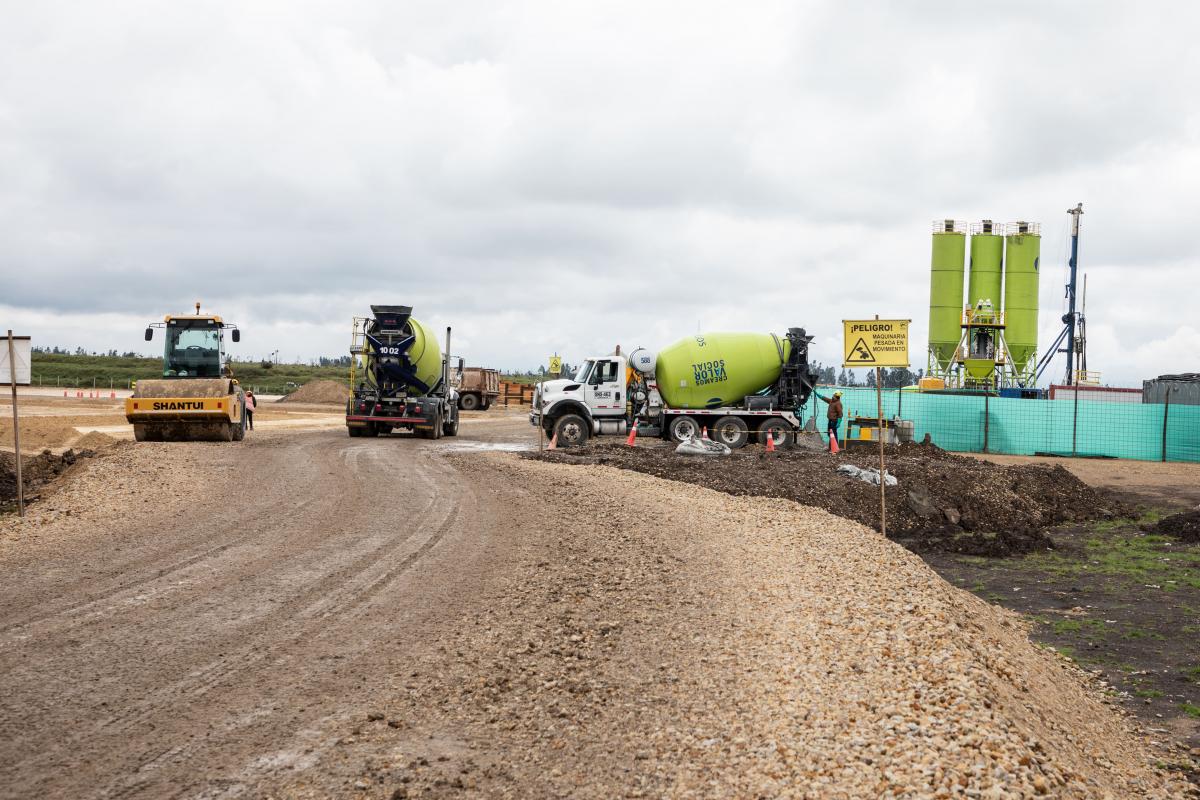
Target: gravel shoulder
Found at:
661, 639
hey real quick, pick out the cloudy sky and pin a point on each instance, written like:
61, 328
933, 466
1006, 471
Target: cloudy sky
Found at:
567, 176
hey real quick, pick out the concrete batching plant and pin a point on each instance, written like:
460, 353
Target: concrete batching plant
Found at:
979, 345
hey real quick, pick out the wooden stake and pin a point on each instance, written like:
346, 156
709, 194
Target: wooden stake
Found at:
882, 496
12, 377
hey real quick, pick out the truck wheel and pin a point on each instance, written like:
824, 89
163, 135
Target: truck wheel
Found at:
468, 402
370, 430
486, 405
682, 428
436, 431
451, 428
731, 432
572, 430
354, 431
779, 431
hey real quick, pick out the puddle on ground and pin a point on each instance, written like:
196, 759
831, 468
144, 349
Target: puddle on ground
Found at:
508, 447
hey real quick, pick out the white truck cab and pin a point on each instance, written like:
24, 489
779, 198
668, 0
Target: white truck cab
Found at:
593, 401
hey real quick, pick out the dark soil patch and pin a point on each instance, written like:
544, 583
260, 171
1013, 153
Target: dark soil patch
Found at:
943, 502
1116, 599
1185, 526
36, 472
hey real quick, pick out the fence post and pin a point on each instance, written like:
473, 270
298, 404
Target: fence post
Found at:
1166, 412
1075, 422
900, 403
986, 418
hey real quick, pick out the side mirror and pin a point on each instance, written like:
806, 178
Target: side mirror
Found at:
237, 335
149, 334
461, 362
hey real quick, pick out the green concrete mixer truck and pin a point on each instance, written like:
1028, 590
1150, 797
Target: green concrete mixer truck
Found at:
736, 385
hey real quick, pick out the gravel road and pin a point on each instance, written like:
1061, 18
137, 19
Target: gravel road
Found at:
187, 618
307, 615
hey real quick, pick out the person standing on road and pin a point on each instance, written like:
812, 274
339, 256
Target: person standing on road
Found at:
834, 415
250, 405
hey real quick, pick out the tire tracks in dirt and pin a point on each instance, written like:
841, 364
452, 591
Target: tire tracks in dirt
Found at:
337, 586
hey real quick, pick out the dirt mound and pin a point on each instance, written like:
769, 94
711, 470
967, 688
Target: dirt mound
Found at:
943, 501
36, 471
319, 392
94, 440
1185, 526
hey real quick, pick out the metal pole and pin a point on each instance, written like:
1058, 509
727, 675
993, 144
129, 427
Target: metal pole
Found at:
12, 377
882, 485
986, 418
1075, 213
1166, 412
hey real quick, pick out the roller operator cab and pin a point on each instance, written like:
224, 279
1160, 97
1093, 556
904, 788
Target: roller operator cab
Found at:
197, 398
738, 386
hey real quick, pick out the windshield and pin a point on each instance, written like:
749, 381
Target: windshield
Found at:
585, 369
192, 352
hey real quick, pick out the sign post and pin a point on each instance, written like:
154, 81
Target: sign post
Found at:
15, 368
876, 343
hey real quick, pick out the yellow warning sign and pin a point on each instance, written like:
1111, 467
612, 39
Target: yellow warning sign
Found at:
875, 342
555, 365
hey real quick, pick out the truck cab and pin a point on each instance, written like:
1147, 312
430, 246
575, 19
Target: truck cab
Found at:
595, 400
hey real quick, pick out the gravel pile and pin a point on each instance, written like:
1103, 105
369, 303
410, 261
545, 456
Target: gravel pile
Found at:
38, 473
112, 484
319, 392
667, 640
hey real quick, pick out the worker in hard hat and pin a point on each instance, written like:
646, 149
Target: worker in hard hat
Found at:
834, 415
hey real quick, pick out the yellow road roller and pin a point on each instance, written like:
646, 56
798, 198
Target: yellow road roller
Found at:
197, 398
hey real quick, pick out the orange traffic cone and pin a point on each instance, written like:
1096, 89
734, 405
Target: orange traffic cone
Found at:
632, 434
833, 445
770, 441
704, 432
553, 442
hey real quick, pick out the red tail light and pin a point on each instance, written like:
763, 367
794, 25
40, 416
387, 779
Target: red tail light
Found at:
416, 409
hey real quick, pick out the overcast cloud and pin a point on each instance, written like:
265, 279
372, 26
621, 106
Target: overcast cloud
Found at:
562, 176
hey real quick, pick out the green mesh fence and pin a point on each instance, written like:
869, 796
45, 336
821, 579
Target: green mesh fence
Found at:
1085, 428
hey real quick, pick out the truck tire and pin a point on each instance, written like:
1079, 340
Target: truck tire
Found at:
436, 431
682, 428
779, 431
354, 431
731, 432
468, 402
451, 428
239, 429
572, 430
370, 430
487, 403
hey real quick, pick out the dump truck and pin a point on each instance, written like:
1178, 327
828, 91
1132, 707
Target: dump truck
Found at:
477, 387
197, 398
735, 385
399, 379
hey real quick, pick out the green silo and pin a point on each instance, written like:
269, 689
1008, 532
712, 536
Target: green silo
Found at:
987, 258
946, 293
718, 369
1023, 248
